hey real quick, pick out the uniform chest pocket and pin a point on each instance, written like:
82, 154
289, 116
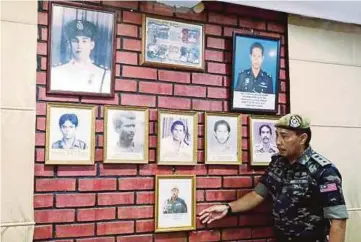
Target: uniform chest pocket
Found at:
296, 189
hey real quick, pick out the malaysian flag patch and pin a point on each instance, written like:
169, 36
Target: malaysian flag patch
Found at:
328, 187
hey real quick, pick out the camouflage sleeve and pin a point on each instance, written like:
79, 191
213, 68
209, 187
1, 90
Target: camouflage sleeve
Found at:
264, 182
332, 199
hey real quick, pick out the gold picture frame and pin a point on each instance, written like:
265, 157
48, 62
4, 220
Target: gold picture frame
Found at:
134, 147
182, 126
76, 124
226, 149
181, 205
260, 154
186, 52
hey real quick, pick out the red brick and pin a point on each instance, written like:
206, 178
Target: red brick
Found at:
43, 63
222, 170
262, 232
48, 185
282, 74
75, 200
219, 68
206, 79
255, 220
282, 98
214, 55
39, 139
237, 182
152, 142
140, 72
153, 115
43, 232
275, 27
41, 77
132, 44
104, 184
282, 52
220, 195
42, 48
127, 30
136, 238
174, 76
43, 200
156, 88
97, 239
118, 198
100, 100
225, 106
125, 85
95, 214
76, 171
151, 155
224, 223
283, 86
216, 43
204, 236
41, 123
213, 29
125, 57
132, 17
43, 171
283, 63
137, 100
202, 17
200, 156
142, 183
42, 18
42, 96
228, 57
74, 230
154, 8
198, 170
238, 233
200, 195
40, 155
244, 144
222, 19
217, 92
209, 182
228, 32
189, 90
135, 212
154, 169
118, 43
41, 108
122, 4
144, 226
100, 140
117, 70
207, 105
98, 154
201, 143
245, 156
121, 227
173, 237
252, 24
54, 216
118, 169
202, 206
174, 102
145, 197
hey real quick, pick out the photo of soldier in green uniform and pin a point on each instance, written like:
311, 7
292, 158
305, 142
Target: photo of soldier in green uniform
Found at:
174, 204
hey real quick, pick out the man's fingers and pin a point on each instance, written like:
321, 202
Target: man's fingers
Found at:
204, 216
205, 220
210, 221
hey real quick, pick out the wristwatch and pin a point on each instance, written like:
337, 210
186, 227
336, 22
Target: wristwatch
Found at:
229, 208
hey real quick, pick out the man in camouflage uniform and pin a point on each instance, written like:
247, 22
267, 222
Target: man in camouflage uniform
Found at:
308, 203
174, 204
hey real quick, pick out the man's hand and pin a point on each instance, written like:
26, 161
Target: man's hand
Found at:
213, 213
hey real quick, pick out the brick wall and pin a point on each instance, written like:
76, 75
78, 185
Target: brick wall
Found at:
111, 203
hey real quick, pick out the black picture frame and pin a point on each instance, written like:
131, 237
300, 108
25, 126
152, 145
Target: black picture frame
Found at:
260, 97
109, 57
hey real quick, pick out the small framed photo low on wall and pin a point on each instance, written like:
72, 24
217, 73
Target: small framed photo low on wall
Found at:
175, 203
70, 134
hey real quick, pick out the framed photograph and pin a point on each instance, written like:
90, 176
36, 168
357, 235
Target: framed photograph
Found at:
174, 44
177, 138
255, 81
175, 205
223, 138
262, 134
81, 50
125, 134
70, 134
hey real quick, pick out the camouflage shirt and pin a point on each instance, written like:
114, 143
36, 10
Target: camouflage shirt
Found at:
305, 194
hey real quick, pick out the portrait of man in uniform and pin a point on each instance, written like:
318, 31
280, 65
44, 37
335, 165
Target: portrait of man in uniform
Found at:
177, 139
126, 134
70, 137
222, 135
81, 51
262, 139
255, 73
175, 202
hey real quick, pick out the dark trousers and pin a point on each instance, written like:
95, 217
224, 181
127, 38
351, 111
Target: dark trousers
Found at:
285, 238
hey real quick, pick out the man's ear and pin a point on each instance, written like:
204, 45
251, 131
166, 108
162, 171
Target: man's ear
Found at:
303, 137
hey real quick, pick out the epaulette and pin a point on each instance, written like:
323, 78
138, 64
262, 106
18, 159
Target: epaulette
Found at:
320, 159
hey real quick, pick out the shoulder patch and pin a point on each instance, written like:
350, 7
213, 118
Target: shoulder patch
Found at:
320, 159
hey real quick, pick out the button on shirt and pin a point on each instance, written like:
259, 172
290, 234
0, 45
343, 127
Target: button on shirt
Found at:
305, 194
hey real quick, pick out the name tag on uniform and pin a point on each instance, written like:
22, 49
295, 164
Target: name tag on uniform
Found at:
328, 187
